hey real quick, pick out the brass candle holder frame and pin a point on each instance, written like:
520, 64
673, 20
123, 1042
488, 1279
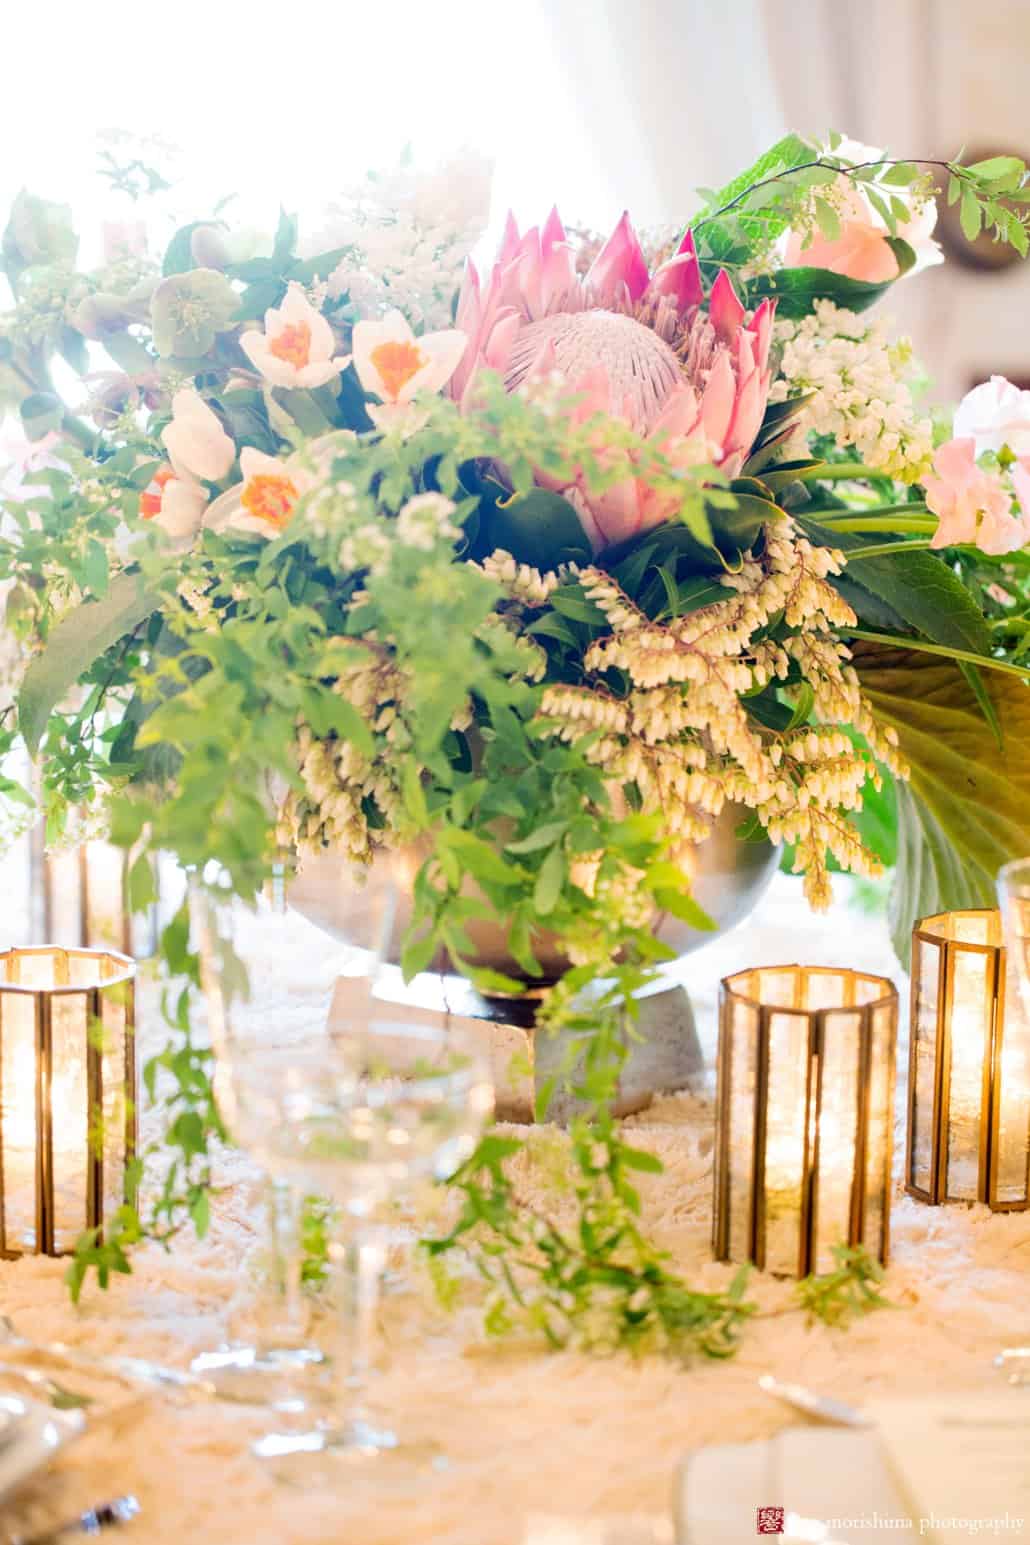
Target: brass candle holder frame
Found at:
934, 1003
749, 1046
108, 1004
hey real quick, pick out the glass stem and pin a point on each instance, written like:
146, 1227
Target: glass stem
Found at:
365, 1258
284, 1217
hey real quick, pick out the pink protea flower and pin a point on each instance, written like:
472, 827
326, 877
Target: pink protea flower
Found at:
637, 345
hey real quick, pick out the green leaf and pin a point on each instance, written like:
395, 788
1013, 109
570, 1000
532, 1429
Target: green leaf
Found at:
976, 683
539, 528
544, 837
200, 1212
73, 647
639, 1158
417, 955
828, 219
761, 227
142, 890
796, 290
966, 810
918, 586
997, 166
970, 215
41, 412
684, 907
38, 232
178, 258
330, 714
549, 882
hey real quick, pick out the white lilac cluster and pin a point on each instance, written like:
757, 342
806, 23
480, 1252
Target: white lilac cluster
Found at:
407, 235
421, 523
683, 736
860, 386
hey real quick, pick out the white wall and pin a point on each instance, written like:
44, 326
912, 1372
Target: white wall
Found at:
924, 77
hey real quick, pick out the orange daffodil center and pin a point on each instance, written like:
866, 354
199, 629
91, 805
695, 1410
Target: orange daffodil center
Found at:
270, 497
265, 502
395, 365
150, 499
293, 344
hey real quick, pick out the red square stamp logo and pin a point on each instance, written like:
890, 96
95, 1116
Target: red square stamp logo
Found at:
770, 1520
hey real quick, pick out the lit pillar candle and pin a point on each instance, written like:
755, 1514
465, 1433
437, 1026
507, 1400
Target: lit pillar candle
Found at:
969, 1065
803, 1120
67, 1103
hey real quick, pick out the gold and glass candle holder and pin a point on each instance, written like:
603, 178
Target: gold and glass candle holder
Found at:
969, 1067
67, 1094
804, 1116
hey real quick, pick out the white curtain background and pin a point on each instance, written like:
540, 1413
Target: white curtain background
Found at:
597, 105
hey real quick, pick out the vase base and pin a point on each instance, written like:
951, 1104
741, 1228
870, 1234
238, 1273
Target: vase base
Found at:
522, 1060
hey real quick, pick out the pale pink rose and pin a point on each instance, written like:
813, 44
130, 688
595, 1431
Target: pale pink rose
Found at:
861, 251
972, 504
995, 414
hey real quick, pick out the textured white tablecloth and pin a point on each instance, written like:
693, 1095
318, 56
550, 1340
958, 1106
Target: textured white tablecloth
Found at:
528, 1432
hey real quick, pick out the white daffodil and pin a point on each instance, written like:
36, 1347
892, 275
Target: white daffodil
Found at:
394, 364
264, 502
296, 347
174, 503
197, 445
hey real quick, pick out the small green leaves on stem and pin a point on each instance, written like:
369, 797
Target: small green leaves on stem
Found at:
854, 1288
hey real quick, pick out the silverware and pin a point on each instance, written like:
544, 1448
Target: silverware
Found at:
130, 1370
106, 1515
820, 1408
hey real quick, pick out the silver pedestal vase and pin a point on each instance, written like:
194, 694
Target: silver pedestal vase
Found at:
729, 878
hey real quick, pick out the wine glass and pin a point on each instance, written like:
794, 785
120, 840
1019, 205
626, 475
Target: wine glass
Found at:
271, 980
390, 1104
333, 1091
1014, 899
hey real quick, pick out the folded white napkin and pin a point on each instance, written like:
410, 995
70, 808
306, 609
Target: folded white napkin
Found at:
808, 1486
963, 1462
943, 1470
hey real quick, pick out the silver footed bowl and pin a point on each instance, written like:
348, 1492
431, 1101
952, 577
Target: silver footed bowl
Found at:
730, 877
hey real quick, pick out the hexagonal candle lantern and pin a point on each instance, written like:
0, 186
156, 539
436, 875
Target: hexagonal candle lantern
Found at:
804, 1116
969, 1067
67, 1093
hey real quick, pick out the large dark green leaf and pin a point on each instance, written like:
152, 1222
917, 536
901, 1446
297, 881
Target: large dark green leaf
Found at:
73, 647
796, 290
539, 528
966, 810
918, 586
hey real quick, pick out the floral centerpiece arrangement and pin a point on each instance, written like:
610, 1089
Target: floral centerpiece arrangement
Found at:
347, 541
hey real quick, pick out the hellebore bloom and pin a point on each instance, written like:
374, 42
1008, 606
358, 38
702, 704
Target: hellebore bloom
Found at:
638, 345
394, 364
296, 347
